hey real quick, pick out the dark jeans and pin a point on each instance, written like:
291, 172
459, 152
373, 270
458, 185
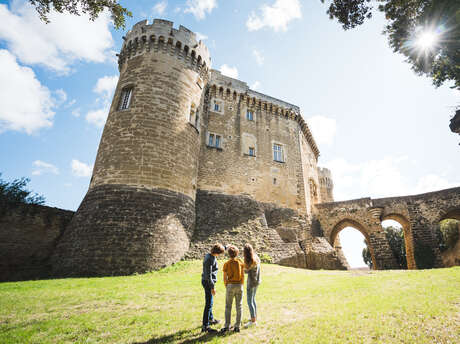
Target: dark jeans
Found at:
207, 313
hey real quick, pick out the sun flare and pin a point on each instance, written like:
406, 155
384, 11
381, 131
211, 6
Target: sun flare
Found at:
426, 40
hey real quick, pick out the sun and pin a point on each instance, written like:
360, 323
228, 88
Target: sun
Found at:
426, 40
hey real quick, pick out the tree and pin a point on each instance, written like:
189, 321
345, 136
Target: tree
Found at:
367, 256
91, 7
426, 32
15, 193
395, 237
447, 234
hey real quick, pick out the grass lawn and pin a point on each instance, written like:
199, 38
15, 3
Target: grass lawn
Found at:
295, 306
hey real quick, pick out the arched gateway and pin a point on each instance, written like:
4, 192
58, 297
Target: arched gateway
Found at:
419, 216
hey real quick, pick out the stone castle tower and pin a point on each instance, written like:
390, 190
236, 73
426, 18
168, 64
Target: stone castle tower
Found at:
180, 144
139, 211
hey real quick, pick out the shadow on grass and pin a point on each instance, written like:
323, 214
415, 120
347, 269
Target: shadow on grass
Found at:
184, 337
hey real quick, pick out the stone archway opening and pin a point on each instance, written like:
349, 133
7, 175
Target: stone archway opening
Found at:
399, 236
448, 237
351, 240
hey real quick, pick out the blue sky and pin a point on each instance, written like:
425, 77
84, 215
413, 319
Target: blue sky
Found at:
381, 129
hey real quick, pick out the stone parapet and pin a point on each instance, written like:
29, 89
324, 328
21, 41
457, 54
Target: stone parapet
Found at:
162, 36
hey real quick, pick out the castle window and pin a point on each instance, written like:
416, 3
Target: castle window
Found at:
278, 152
125, 98
249, 115
252, 151
194, 117
216, 107
197, 119
214, 140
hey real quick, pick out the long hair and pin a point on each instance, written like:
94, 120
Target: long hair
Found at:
248, 255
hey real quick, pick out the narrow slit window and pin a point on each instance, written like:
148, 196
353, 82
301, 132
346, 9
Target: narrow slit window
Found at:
216, 107
197, 119
249, 115
252, 151
125, 98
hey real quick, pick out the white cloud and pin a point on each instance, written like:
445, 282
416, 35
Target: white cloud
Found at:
61, 96
105, 87
200, 36
98, 117
80, 169
232, 72
41, 167
381, 178
255, 85
199, 8
66, 39
373, 178
160, 7
433, 182
258, 56
323, 128
26, 103
276, 17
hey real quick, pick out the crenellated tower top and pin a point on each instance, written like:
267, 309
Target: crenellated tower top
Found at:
161, 34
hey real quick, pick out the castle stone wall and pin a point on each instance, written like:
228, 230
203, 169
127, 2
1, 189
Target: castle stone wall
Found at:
28, 235
231, 169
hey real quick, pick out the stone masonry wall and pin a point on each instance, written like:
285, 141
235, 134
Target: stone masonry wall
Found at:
231, 169
418, 214
119, 230
279, 233
28, 235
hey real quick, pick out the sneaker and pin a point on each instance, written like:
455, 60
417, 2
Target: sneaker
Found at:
236, 329
224, 330
208, 329
249, 324
214, 322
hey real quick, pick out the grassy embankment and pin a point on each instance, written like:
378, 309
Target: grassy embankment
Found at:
295, 306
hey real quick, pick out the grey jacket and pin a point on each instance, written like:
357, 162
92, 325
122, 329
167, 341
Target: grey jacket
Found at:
210, 270
253, 274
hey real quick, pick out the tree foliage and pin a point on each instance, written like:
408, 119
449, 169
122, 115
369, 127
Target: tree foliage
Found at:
367, 256
77, 7
395, 237
447, 234
407, 21
15, 192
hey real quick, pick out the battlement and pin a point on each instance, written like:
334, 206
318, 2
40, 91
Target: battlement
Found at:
325, 176
162, 36
232, 89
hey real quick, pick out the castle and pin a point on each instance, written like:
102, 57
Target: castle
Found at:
180, 136
189, 157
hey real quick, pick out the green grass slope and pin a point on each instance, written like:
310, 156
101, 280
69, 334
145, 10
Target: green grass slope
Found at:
295, 306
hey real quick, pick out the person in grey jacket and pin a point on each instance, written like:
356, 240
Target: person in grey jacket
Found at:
252, 268
208, 281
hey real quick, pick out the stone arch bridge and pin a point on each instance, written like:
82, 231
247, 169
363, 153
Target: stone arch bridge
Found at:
419, 216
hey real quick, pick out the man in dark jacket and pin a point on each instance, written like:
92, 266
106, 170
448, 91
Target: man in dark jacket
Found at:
208, 280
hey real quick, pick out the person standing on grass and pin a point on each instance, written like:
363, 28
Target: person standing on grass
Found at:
233, 279
252, 268
208, 281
